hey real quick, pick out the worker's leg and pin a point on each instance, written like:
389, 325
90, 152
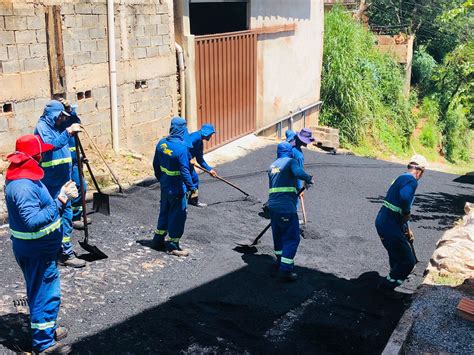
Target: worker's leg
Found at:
194, 199
289, 225
66, 222
44, 297
162, 225
176, 219
194, 176
277, 233
76, 204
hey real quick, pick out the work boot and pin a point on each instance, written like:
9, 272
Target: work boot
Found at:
79, 224
158, 243
389, 292
287, 276
60, 333
194, 201
71, 261
58, 348
174, 249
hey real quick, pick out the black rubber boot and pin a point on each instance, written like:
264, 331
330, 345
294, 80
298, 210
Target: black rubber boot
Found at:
287, 276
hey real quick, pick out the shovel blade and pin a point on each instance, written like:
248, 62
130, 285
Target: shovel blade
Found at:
92, 249
100, 203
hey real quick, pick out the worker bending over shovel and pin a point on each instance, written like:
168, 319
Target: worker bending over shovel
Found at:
392, 226
197, 152
55, 128
36, 232
171, 165
283, 181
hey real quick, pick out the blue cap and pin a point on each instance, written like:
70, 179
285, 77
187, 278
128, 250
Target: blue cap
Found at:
290, 135
207, 130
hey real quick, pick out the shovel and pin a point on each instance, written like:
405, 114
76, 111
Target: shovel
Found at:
257, 240
100, 201
85, 243
247, 195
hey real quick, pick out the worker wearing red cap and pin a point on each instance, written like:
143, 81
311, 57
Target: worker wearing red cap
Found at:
36, 233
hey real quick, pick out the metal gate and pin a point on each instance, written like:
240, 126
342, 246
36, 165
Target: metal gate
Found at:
226, 71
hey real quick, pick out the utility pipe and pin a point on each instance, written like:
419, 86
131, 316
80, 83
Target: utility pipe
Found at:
113, 75
182, 84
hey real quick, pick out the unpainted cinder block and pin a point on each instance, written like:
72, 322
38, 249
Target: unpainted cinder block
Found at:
164, 50
40, 103
41, 36
152, 52
36, 22
150, 30
37, 50
16, 23
83, 8
7, 37
24, 51
24, 107
3, 54
97, 32
99, 9
98, 57
88, 45
163, 29
6, 8
33, 64
82, 58
67, 9
23, 9
156, 41
139, 53
28, 36
11, 66
90, 21
143, 42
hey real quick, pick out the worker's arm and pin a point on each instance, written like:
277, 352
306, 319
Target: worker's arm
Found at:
199, 148
407, 194
156, 164
47, 136
184, 170
32, 214
298, 171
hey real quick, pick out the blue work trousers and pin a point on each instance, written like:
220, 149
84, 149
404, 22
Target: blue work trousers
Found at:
400, 256
172, 217
44, 296
286, 237
194, 176
66, 221
76, 204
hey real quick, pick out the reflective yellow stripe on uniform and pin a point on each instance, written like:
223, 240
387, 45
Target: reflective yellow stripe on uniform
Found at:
160, 231
170, 172
43, 326
174, 240
278, 252
36, 235
66, 239
48, 164
287, 261
76, 208
282, 189
391, 207
72, 149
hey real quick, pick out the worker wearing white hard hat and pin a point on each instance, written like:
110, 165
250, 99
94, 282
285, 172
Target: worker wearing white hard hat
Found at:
392, 226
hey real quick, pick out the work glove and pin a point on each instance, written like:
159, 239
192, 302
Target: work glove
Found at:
192, 161
409, 235
308, 184
74, 128
406, 217
192, 193
213, 173
66, 104
68, 192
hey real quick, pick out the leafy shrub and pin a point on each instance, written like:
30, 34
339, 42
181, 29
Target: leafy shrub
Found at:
423, 68
362, 89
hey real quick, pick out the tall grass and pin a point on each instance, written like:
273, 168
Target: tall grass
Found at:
362, 89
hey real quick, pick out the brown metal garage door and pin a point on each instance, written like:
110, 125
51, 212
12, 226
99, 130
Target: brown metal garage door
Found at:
226, 70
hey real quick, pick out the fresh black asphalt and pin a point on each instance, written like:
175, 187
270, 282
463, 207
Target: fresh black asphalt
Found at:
222, 298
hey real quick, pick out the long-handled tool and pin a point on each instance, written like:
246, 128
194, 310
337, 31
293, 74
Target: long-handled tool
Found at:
85, 243
410, 237
100, 201
223, 180
303, 209
116, 180
256, 240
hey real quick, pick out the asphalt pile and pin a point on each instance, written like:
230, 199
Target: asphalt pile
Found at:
222, 298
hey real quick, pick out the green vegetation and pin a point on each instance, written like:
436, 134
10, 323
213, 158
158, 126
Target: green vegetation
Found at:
362, 89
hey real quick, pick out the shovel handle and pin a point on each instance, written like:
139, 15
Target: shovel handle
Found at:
222, 179
81, 187
103, 159
303, 209
83, 153
255, 242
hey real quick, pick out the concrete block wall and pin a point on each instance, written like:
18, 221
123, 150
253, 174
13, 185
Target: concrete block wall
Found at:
146, 68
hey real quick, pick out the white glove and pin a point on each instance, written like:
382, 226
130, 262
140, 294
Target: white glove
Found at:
74, 128
68, 192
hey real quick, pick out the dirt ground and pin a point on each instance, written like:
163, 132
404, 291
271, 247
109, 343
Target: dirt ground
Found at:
221, 299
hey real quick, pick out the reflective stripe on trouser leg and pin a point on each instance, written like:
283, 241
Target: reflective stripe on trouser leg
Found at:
67, 246
77, 202
290, 235
276, 234
44, 297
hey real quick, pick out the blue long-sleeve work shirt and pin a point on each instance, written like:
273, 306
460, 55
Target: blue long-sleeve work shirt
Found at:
197, 150
34, 217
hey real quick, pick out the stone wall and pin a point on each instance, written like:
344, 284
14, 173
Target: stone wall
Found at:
146, 68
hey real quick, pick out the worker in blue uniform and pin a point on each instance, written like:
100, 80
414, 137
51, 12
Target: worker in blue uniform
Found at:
299, 140
392, 226
36, 233
283, 175
76, 204
171, 166
197, 153
54, 128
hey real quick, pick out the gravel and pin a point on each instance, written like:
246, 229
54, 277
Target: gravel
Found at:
222, 300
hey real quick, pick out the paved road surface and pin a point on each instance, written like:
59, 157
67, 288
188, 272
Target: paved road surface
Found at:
220, 299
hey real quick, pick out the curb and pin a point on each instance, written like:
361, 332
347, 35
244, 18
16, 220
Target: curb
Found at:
396, 342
